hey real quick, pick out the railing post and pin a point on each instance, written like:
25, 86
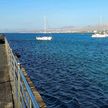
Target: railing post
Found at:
30, 103
19, 88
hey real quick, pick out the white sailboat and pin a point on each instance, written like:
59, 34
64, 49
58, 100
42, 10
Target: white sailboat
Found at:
45, 37
99, 35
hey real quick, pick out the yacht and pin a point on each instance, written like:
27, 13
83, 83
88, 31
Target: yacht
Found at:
100, 35
45, 37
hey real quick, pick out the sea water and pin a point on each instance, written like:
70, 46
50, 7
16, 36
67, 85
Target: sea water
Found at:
70, 71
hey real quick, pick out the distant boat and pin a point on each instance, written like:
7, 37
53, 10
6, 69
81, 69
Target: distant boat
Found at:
45, 37
99, 35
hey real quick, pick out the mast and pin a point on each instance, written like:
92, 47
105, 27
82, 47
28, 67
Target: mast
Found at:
45, 24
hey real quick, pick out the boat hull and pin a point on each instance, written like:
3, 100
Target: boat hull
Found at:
99, 35
44, 38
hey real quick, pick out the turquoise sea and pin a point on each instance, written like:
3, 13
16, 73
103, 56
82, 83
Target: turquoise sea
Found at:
70, 71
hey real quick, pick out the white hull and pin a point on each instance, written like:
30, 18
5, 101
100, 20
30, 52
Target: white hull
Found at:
44, 38
99, 35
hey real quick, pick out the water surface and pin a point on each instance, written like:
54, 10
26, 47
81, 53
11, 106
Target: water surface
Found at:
71, 71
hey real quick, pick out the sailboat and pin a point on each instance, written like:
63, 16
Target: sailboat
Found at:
45, 37
101, 34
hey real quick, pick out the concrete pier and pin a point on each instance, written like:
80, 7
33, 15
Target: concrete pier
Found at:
16, 88
6, 100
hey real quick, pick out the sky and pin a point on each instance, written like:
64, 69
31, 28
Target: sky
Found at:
29, 14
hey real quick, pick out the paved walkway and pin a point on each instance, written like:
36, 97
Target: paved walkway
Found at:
6, 100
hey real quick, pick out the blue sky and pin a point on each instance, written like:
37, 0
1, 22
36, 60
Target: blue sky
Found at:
28, 14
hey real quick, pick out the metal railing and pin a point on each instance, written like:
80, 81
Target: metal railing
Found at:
22, 93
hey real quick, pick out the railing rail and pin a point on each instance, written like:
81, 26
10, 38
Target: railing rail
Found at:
22, 93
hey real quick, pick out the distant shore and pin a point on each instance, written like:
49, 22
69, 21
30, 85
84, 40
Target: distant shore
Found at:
46, 33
